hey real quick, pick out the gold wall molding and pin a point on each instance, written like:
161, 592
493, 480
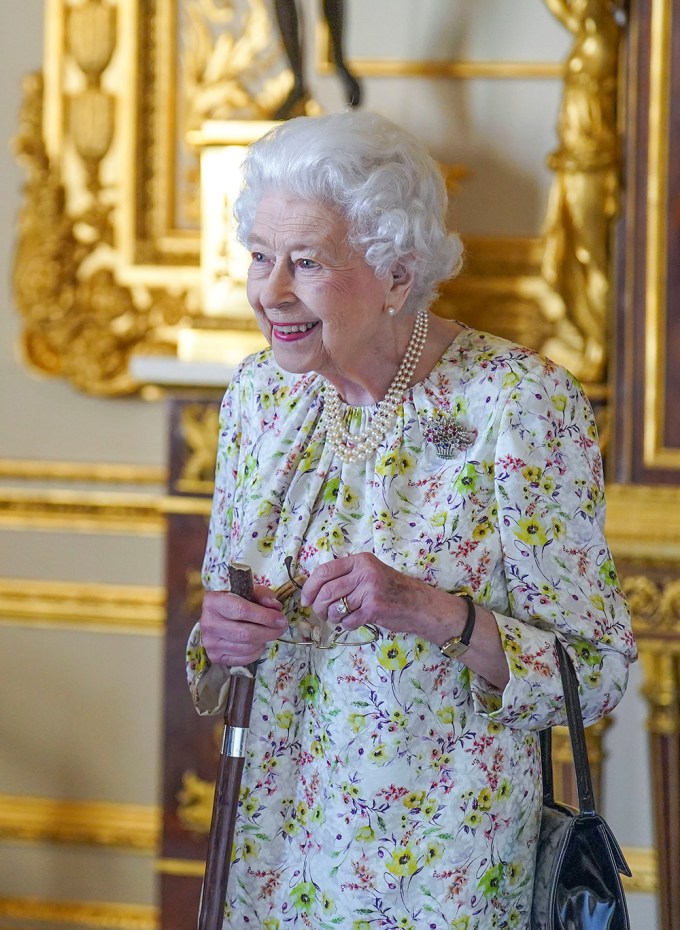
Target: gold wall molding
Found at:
90, 472
99, 823
105, 915
109, 608
457, 70
37, 504
655, 454
107, 258
462, 69
200, 506
643, 521
189, 868
643, 864
81, 511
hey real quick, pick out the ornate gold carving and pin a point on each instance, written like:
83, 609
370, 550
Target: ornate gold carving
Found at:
193, 600
111, 608
584, 195
199, 426
107, 259
234, 66
80, 323
655, 607
91, 40
195, 802
39, 820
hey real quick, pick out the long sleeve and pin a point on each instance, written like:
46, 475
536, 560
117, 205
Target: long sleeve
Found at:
559, 571
209, 684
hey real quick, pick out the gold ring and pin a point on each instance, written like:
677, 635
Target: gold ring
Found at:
343, 607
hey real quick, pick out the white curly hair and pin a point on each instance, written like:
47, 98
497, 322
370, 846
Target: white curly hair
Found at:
379, 176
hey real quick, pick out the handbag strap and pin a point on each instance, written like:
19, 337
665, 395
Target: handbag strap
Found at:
579, 749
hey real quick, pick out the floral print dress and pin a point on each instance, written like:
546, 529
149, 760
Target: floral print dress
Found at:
386, 787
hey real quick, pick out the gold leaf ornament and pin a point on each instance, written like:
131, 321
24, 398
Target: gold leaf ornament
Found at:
91, 123
91, 34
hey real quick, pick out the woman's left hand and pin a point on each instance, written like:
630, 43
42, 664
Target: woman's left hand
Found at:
372, 592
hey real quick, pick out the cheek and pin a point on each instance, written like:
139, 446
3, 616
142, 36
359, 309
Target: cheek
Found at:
253, 289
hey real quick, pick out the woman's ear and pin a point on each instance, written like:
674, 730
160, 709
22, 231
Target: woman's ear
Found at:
400, 281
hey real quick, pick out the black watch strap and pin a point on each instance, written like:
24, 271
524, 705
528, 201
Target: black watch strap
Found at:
457, 645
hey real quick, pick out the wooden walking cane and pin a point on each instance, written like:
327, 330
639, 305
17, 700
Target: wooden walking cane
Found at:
229, 775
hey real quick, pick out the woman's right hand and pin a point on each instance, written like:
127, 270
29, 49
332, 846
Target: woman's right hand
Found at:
235, 631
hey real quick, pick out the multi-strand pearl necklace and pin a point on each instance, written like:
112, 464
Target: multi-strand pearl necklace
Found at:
356, 448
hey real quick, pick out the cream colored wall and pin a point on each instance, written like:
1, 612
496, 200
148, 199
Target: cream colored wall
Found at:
82, 707
81, 710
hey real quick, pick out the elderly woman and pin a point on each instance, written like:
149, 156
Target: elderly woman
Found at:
438, 492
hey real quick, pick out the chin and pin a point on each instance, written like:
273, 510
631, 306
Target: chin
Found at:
295, 368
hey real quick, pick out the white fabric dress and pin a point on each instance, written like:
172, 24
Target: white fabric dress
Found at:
387, 787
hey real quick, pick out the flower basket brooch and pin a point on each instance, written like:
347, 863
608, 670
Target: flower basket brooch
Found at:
448, 436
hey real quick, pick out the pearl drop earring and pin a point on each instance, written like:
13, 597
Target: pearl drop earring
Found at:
392, 311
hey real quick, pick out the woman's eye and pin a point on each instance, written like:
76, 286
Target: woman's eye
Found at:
307, 263
257, 256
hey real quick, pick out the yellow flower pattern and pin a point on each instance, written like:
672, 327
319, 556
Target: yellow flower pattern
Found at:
385, 786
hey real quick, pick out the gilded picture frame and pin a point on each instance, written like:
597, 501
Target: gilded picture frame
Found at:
108, 247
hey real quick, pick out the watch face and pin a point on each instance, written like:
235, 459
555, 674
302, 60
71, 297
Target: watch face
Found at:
453, 648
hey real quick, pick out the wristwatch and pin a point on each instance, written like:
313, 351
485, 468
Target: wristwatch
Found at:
458, 645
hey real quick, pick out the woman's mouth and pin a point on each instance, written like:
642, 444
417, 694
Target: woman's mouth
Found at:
290, 332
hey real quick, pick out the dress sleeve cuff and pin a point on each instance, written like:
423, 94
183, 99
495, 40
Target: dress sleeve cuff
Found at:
533, 698
208, 683
513, 705
210, 689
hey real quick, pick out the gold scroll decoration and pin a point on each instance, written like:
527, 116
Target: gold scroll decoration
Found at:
199, 425
655, 607
233, 62
106, 263
195, 803
584, 194
80, 323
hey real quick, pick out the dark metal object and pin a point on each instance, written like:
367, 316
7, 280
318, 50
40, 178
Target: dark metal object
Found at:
230, 773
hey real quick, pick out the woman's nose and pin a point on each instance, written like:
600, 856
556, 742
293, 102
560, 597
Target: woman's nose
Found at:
278, 288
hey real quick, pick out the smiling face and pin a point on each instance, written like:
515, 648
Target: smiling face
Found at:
318, 303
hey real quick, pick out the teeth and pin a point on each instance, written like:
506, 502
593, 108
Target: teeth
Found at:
301, 328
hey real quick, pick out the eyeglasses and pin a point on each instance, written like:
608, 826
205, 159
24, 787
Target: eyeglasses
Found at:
306, 629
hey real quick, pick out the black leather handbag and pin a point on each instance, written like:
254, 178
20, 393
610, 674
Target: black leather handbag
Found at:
577, 883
